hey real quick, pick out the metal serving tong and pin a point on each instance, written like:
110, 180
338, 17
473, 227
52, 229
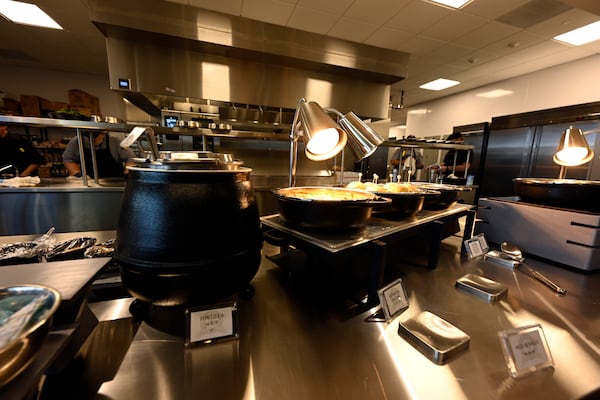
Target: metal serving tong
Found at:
515, 253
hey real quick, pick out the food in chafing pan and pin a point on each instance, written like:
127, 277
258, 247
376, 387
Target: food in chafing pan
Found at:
407, 199
389, 187
326, 208
325, 193
449, 195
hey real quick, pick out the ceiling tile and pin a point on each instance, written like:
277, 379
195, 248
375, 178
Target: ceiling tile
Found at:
417, 16
419, 45
365, 11
557, 58
514, 43
337, 7
564, 22
543, 49
312, 20
233, 7
473, 59
476, 73
388, 38
492, 9
352, 30
448, 53
453, 26
271, 11
486, 34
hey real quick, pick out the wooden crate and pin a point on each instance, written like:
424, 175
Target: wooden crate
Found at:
30, 105
47, 105
84, 102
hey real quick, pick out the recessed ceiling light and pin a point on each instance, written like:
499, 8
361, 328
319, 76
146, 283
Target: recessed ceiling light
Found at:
439, 84
582, 35
492, 94
26, 14
452, 3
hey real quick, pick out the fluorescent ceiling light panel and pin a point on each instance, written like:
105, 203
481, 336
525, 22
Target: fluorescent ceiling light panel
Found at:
419, 111
451, 3
492, 94
26, 14
439, 84
582, 35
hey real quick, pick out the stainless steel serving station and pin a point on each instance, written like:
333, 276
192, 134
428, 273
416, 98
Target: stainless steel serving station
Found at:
295, 344
300, 339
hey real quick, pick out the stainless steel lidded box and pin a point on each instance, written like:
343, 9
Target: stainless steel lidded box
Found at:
434, 337
480, 286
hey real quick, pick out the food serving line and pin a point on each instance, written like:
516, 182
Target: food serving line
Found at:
292, 345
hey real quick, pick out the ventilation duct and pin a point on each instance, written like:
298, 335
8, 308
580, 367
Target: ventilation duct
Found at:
161, 52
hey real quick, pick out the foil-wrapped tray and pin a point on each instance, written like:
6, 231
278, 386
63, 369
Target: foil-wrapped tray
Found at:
480, 286
434, 337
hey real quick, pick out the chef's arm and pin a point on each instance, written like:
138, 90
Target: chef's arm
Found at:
29, 170
450, 168
73, 168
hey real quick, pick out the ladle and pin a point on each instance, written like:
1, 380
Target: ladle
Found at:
516, 254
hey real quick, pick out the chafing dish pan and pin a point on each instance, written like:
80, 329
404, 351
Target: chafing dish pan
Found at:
565, 193
326, 208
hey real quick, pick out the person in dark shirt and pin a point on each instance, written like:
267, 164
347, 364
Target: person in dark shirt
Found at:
111, 158
455, 161
18, 153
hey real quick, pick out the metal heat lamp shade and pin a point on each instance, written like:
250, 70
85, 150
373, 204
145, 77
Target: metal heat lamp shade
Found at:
573, 149
362, 139
324, 138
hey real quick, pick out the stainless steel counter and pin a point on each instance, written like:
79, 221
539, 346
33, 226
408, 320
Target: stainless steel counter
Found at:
299, 339
68, 184
67, 205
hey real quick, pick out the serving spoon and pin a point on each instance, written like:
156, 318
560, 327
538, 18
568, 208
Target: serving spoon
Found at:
516, 254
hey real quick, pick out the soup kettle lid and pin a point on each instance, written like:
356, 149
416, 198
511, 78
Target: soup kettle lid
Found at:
200, 160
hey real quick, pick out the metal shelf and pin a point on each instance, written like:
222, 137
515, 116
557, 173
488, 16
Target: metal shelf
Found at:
126, 127
427, 144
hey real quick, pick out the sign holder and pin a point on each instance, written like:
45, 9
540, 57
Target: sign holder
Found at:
210, 324
393, 300
525, 350
476, 246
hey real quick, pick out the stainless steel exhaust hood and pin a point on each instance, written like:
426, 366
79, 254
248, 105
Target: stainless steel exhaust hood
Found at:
160, 52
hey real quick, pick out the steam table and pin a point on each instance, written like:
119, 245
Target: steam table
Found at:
375, 236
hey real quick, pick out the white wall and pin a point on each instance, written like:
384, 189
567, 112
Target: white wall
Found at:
54, 86
573, 83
